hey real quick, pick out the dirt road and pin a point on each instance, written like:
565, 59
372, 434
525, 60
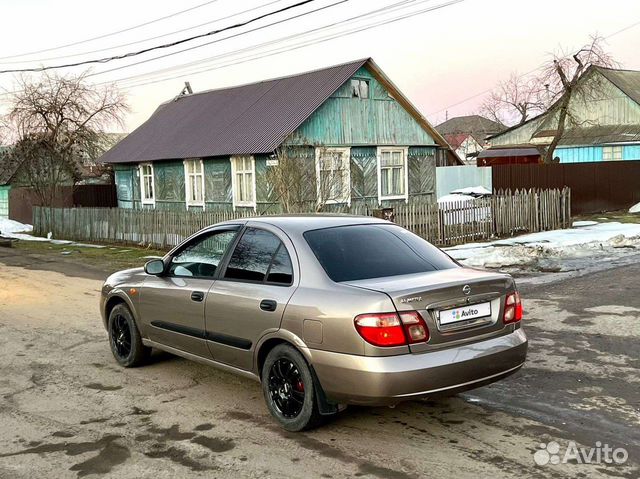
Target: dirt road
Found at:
67, 409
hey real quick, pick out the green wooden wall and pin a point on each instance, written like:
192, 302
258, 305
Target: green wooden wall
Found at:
344, 120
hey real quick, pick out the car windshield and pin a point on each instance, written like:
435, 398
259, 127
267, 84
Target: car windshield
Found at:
350, 253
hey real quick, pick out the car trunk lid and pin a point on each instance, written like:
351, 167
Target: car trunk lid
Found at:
458, 304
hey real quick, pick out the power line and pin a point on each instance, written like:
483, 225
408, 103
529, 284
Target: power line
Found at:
144, 40
158, 47
297, 47
286, 49
7, 93
379, 10
99, 37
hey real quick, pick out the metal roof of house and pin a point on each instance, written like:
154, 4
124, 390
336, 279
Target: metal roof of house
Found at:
247, 119
477, 126
626, 80
457, 139
504, 152
595, 135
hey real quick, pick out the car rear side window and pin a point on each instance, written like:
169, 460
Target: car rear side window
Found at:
350, 253
281, 271
260, 256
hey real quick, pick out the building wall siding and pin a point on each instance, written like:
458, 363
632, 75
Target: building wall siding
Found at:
518, 136
422, 173
345, 120
124, 175
631, 152
579, 154
584, 154
364, 174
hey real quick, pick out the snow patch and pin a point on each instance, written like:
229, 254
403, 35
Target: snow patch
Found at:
16, 230
578, 224
635, 208
548, 249
472, 191
8, 227
446, 199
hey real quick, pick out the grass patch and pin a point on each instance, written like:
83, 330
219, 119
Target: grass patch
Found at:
622, 216
110, 258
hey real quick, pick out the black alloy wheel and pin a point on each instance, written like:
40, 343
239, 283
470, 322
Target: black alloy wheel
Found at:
124, 338
289, 388
286, 388
121, 337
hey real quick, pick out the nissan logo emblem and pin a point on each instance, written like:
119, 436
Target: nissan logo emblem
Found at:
466, 289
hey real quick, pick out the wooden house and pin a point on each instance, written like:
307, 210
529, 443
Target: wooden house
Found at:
348, 123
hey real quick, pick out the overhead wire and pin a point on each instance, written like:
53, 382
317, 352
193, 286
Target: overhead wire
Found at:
144, 40
159, 47
106, 35
291, 48
379, 10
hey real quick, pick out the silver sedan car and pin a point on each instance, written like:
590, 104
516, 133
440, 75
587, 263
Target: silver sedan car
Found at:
323, 310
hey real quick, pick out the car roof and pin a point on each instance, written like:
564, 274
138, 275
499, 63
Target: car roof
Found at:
306, 222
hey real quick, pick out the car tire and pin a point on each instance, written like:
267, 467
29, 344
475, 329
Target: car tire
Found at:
289, 389
124, 338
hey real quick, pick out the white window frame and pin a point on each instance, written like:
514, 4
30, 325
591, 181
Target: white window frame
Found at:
147, 201
612, 149
405, 154
234, 187
346, 159
187, 183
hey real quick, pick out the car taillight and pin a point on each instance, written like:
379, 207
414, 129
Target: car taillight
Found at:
392, 329
512, 308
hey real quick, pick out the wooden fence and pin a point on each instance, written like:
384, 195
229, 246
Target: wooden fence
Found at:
503, 214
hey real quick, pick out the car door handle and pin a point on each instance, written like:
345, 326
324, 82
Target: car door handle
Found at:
197, 296
268, 305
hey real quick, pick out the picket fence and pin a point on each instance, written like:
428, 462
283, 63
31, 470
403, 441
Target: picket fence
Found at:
504, 214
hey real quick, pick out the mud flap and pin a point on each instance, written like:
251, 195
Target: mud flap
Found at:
325, 407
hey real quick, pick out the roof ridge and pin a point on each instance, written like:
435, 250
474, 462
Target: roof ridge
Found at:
267, 80
616, 69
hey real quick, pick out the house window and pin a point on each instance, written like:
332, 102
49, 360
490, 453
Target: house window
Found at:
194, 182
243, 181
611, 153
359, 88
333, 175
147, 184
393, 175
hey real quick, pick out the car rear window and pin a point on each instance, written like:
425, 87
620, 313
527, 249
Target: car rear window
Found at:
350, 253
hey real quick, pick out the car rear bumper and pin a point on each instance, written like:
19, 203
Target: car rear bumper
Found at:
388, 380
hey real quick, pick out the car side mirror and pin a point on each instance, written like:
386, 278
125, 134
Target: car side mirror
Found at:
154, 267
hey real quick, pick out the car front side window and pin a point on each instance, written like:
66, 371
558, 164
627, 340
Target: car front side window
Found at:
201, 257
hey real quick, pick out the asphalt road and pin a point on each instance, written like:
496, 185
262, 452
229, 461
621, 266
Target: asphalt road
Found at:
67, 409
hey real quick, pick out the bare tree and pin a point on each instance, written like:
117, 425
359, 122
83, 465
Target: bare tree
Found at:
55, 123
515, 100
562, 74
291, 180
295, 184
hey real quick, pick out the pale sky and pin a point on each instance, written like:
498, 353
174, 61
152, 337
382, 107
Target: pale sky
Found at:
438, 58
